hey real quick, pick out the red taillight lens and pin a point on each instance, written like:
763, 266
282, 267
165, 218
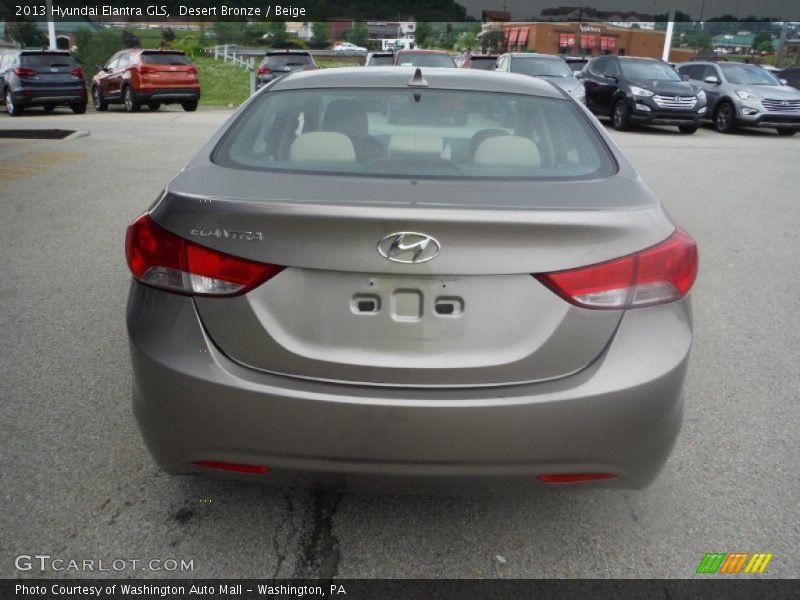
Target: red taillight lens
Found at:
264, 70
233, 467
660, 274
161, 259
192, 69
146, 69
24, 72
574, 477
77, 72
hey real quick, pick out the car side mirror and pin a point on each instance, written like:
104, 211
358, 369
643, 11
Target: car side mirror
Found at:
711, 79
784, 82
684, 76
578, 74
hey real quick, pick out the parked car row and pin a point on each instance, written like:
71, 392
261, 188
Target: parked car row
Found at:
133, 77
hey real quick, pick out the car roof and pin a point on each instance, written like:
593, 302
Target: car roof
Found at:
437, 78
287, 51
415, 51
533, 54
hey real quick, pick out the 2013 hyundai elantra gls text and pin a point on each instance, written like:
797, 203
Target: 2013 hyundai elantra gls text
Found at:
326, 298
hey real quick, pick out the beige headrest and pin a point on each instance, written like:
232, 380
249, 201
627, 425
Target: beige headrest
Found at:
411, 144
508, 151
322, 146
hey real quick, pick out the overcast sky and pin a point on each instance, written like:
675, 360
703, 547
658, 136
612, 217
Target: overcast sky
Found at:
788, 10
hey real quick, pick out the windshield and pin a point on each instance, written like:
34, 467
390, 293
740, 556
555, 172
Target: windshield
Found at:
438, 133
164, 58
419, 59
377, 61
47, 60
646, 69
540, 67
287, 60
748, 75
485, 63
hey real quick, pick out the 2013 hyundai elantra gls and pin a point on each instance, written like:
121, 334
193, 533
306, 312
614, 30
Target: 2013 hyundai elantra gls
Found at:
327, 298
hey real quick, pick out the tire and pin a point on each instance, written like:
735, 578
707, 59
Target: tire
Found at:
11, 107
48, 108
154, 105
131, 105
79, 108
97, 99
620, 115
687, 128
190, 106
787, 131
725, 118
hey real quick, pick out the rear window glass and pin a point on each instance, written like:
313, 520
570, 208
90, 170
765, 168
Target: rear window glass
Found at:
484, 63
541, 67
439, 133
376, 61
287, 60
47, 60
164, 58
412, 59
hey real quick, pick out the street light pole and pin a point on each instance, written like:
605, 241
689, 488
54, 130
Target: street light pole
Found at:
51, 26
668, 37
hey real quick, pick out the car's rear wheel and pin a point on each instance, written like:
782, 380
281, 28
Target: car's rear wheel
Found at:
131, 105
154, 105
11, 107
48, 108
79, 108
97, 99
724, 118
687, 128
786, 131
190, 106
619, 115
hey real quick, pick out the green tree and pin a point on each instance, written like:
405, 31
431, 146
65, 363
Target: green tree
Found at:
490, 40
167, 36
422, 37
224, 32
699, 40
27, 34
277, 35
358, 34
760, 38
320, 34
94, 48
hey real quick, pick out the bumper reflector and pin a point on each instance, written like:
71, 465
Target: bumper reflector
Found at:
234, 467
574, 477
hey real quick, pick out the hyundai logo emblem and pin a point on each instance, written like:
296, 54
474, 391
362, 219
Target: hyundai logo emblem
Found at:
408, 247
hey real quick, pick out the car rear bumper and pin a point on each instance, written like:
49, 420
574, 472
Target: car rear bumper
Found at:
620, 415
55, 95
176, 94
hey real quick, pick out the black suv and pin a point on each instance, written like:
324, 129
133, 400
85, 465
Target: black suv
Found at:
641, 90
44, 78
277, 63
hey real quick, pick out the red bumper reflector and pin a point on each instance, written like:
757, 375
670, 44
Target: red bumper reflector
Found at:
574, 477
236, 468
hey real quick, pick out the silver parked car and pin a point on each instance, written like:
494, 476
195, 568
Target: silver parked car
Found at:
324, 297
744, 95
547, 66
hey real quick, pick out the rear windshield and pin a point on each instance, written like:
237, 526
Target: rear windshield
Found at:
485, 63
748, 75
287, 60
541, 67
440, 133
164, 58
377, 61
419, 59
47, 60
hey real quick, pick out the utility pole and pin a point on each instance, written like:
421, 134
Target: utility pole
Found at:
668, 37
51, 26
781, 46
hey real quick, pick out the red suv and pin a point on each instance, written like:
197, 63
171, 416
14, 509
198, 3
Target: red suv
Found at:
134, 77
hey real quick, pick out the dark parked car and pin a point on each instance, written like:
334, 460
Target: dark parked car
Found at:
549, 67
485, 62
136, 77
641, 90
743, 95
379, 59
41, 78
278, 63
791, 76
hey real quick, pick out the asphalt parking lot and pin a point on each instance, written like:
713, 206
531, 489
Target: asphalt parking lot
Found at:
77, 483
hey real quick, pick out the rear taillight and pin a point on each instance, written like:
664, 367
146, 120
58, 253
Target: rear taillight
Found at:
77, 72
146, 69
161, 259
192, 69
233, 467
264, 70
24, 72
574, 477
660, 274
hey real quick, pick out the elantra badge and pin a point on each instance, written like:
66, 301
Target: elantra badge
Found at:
408, 247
